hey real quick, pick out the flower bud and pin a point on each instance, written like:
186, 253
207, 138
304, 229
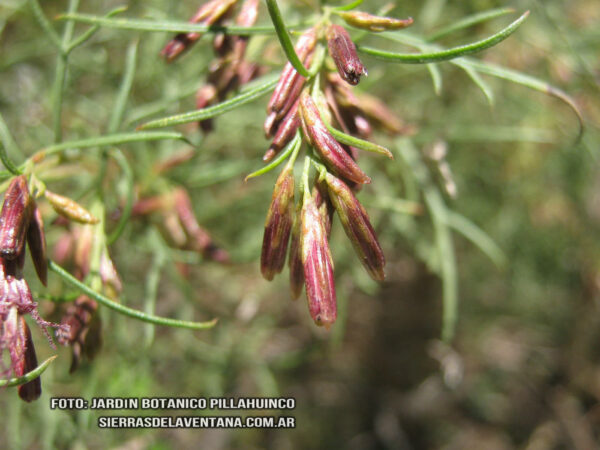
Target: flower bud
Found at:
31, 390
15, 218
295, 258
290, 82
285, 132
197, 238
70, 209
318, 266
81, 330
278, 225
343, 52
357, 226
208, 14
37, 244
373, 23
330, 150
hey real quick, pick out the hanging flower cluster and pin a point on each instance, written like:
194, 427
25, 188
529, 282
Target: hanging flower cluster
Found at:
21, 224
319, 108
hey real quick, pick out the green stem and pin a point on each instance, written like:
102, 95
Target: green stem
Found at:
124, 309
284, 38
35, 373
126, 214
45, 24
451, 53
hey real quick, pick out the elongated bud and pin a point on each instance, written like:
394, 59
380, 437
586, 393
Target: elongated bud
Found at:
373, 23
81, 330
197, 238
295, 258
323, 203
278, 225
208, 14
330, 150
15, 218
318, 266
70, 209
357, 226
31, 390
343, 52
37, 244
109, 275
286, 131
290, 82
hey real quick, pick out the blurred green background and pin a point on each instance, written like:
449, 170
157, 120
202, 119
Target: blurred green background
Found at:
523, 370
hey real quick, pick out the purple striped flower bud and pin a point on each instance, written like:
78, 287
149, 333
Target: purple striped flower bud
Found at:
357, 226
330, 150
208, 14
343, 52
290, 83
285, 132
318, 266
15, 218
37, 244
278, 225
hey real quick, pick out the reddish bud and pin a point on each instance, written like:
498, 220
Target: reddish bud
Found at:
81, 330
330, 150
31, 390
285, 132
290, 82
208, 14
295, 258
37, 244
357, 226
15, 218
278, 225
370, 22
318, 266
343, 52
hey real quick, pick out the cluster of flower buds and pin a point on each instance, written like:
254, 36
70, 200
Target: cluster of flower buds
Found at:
21, 224
178, 225
318, 106
229, 70
82, 330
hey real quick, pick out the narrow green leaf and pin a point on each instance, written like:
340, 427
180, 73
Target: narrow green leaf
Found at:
287, 151
124, 309
478, 237
436, 78
445, 55
45, 24
127, 81
469, 21
86, 35
284, 38
212, 111
359, 143
447, 260
29, 375
164, 25
495, 70
112, 139
126, 213
480, 82
530, 82
350, 6
7, 143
